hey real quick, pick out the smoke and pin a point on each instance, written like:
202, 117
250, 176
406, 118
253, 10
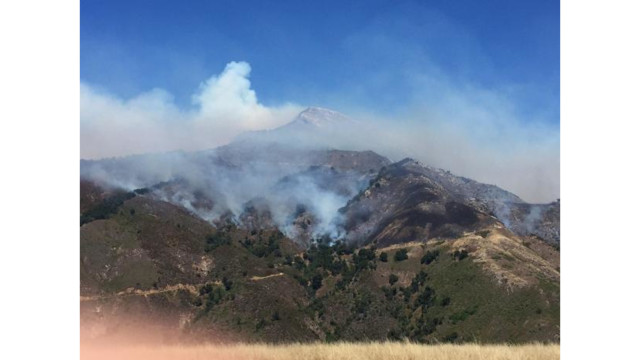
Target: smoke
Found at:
228, 182
533, 217
520, 158
503, 213
469, 130
224, 106
522, 162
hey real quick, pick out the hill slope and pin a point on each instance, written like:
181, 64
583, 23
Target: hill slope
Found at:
267, 239
152, 261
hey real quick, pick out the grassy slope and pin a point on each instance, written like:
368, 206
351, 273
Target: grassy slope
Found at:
150, 246
478, 309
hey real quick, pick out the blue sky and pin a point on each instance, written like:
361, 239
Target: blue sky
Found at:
327, 53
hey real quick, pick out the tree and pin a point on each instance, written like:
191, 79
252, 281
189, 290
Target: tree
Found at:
383, 256
401, 255
215, 240
206, 289
363, 259
316, 282
227, 283
298, 263
429, 257
393, 278
425, 298
460, 254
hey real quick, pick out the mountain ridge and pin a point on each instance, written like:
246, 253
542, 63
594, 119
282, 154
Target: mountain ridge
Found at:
283, 159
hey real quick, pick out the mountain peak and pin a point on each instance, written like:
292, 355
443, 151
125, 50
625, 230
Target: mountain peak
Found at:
311, 126
320, 117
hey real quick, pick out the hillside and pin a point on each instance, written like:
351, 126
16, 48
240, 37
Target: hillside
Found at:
267, 240
152, 261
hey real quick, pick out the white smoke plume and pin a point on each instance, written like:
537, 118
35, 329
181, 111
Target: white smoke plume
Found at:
224, 106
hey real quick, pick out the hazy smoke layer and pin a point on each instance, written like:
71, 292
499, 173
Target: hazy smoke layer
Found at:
471, 131
270, 185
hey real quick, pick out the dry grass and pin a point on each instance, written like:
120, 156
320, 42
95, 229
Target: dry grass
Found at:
338, 351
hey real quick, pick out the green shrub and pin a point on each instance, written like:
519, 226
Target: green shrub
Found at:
393, 278
463, 315
106, 207
206, 289
425, 298
406, 292
227, 283
142, 191
389, 293
451, 337
428, 326
421, 277
260, 324
340, 248
316, 282
301, 280
401, 255
298, 263
216, 240
362, 303
384, 256
429, 257
460, 254
364, 259
214, 298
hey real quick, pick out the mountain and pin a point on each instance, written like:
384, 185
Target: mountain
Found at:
449, 203
313, 128
317, 117
268, 240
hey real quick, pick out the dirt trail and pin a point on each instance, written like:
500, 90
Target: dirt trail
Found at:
256, 278
192, 288
402, 246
